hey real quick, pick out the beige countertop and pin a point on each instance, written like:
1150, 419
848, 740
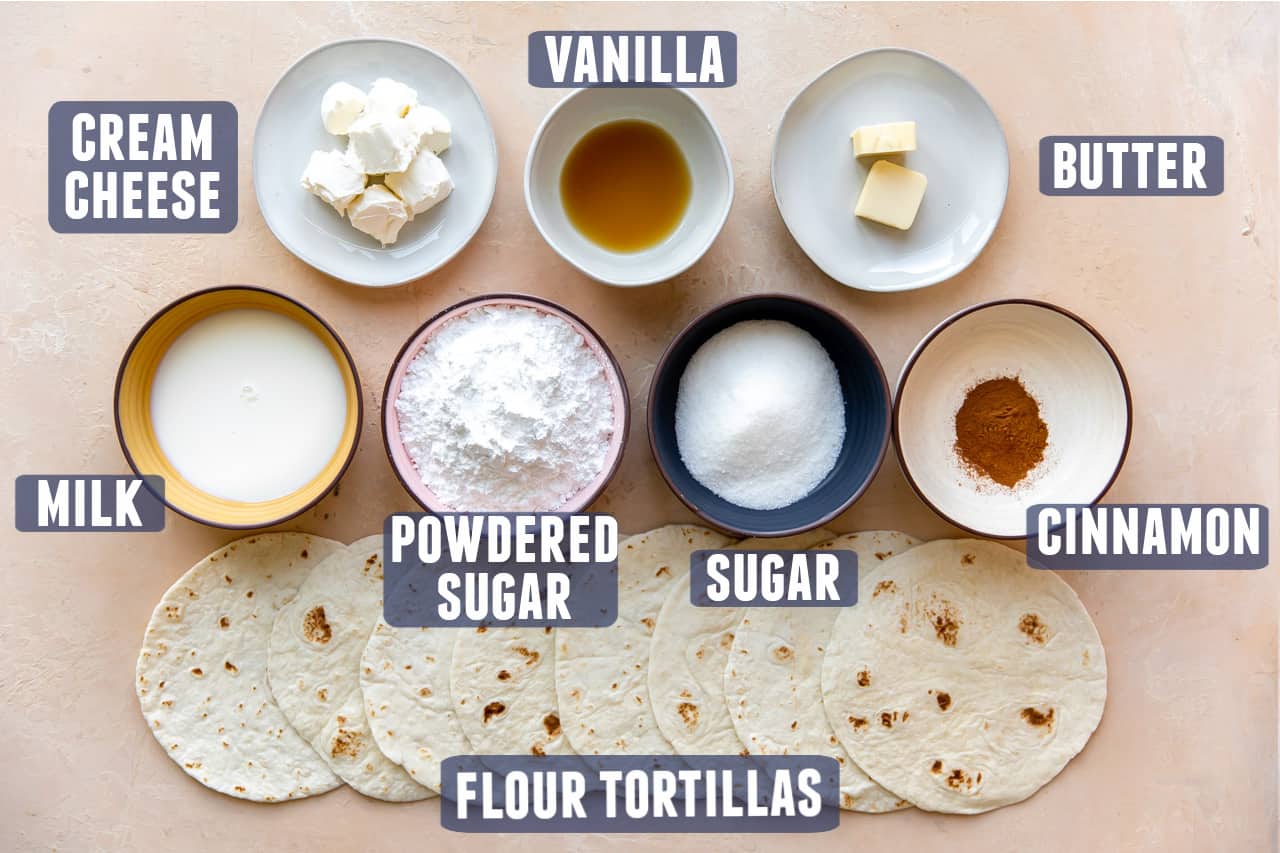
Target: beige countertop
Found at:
1184, 289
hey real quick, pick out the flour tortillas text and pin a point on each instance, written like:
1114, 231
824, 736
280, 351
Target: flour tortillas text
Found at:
967, 680
773, 680
601, 673
202, 671
314, 669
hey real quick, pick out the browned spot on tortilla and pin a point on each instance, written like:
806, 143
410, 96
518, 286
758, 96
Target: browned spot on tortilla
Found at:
888, 719
647, 622
944, 700
314, 626
172, 611
783, 653
1035, 630
946, 622
345, 742
240, 789
880, 555
481, 629
224, 622
197, 672
1084, 658
575, 693
846, 801
424, 691
884, 586
795, 724
230, 667
689, 713
494, 709
967, 559
699, 654
864, 678
958, 779
537, 749
857, 722
551, 722
227, 578
663, 571
503, 675
1036, 717
937, 766
726, 639
303, 554
530, 656
322, 694
249, 594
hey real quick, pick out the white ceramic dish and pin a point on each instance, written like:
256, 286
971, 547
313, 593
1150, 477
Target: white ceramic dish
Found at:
960, 148
677, 112
1063, 362
289, 129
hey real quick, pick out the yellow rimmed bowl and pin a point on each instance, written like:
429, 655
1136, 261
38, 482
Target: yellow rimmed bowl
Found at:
133, 408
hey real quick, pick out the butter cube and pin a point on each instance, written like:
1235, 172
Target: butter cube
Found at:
891, 138
891, 195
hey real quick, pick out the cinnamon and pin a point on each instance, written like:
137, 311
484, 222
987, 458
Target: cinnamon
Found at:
999, 432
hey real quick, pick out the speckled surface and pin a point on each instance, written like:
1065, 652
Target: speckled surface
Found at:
1185, 289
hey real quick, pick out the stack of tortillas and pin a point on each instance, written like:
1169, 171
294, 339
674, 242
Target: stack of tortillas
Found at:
962, 680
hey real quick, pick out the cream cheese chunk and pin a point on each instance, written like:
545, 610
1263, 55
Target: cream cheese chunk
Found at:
334, 178
891, 195
382, 143
341, 105
379, 213
424, 184
389, 97
433, 129
892, 138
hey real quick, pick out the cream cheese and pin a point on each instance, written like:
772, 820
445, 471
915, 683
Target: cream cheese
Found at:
379, 213
424, 184
334, 178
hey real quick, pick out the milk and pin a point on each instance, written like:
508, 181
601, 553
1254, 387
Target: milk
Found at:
248, 405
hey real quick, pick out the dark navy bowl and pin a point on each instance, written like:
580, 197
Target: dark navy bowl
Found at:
867, 417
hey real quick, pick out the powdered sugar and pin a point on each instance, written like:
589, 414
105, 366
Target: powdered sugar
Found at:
506, 409
760, 414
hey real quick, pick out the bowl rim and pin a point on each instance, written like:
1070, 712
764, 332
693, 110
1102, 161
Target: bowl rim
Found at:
536, 143
663, 365
973, 309
926, 281
555, 308
297, 251
155, 318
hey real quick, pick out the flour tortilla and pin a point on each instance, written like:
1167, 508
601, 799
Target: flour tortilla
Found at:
601, 673
503, 684
202, 671
404, 676
314, 669
687, 659
773, 680
967, 680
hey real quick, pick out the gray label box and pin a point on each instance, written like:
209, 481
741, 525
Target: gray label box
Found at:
1074, 537
738, 781
554, 58
1110, 165
62, 503
763, 572
121, 148
413, 594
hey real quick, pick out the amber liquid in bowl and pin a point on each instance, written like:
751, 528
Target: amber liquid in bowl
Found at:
626, 185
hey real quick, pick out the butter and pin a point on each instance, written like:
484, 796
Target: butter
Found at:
424, 184
341, 105
891, 195
892, 138
379, 213
433, 129
334, 178
382, 143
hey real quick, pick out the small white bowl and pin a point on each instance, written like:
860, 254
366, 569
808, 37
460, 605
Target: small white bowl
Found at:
1063, 362
289, 129
961, 150
676, 112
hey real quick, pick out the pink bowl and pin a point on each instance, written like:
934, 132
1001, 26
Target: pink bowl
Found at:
402, 463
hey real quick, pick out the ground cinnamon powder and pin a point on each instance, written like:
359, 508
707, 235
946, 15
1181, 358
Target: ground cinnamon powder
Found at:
999, 432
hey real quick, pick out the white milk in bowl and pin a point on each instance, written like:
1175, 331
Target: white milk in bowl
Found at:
248, 405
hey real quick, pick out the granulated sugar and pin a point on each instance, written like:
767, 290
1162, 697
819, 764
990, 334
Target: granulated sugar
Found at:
506, 409
760, 415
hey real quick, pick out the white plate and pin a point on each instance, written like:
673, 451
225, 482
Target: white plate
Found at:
289, 129
960, 148
679, 114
